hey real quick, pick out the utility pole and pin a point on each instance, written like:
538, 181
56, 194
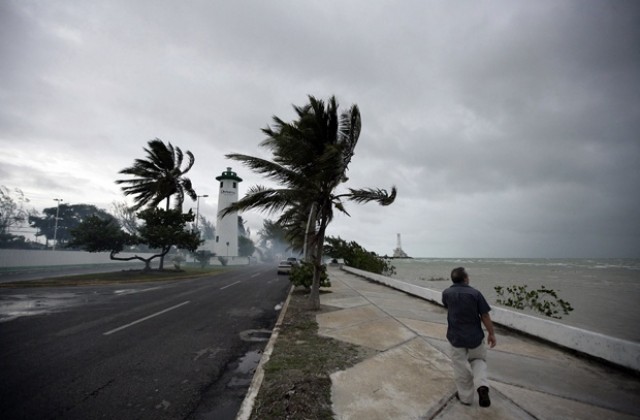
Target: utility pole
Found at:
55, 229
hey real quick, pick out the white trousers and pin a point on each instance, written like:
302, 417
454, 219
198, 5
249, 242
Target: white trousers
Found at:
470, 370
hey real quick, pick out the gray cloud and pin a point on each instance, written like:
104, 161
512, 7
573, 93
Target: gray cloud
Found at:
511, 125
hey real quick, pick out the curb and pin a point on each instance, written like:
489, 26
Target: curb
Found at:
247, 404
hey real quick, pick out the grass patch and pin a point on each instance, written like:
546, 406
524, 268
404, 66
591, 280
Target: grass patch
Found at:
296, 384
117, 277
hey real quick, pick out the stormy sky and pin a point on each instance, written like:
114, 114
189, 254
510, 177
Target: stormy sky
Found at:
510, 128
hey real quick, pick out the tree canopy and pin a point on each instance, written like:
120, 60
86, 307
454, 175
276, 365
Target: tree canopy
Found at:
159, 176
356, 256
311, 156
69, 217
161, 230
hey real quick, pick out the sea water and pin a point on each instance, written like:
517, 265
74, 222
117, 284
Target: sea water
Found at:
605, 293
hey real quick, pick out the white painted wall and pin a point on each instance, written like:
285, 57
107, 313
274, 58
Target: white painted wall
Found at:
620, 352
35, 258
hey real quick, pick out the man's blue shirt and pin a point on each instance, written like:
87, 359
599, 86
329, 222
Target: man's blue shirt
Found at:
465, 305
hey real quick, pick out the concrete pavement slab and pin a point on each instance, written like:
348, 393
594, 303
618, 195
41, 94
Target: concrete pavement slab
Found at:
341, 301
402, 383
348, 317
411, 377
501, 409
380, 334
546, 406
425, 329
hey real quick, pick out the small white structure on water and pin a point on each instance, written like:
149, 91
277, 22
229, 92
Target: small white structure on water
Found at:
226, 243
398, 252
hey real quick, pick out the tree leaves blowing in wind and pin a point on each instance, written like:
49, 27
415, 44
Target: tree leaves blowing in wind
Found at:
311, 156
159, 176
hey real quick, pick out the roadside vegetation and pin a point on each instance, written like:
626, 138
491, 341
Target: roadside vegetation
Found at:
297, 383
354, 255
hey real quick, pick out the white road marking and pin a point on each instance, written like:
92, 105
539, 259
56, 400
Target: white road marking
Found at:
229, 285
255, 275
146, 317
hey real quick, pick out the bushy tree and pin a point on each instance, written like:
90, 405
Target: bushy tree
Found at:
302, 275
203, 256
70, 216
246, 247
161, 230
354, 255
159, 177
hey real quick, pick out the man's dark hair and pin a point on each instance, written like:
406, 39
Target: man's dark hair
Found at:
458, 275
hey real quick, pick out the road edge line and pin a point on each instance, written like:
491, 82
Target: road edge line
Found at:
249, 400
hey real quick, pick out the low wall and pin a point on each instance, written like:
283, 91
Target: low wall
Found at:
620, 352
13, 258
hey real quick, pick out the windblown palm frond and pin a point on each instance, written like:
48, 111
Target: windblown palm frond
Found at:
311, 156
366, 195
263, 198
159, 176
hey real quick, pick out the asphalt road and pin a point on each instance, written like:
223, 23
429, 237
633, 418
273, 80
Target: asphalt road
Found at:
180, 350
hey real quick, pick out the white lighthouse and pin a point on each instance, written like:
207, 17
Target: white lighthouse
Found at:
226, 244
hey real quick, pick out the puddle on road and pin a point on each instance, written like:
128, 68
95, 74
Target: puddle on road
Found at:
15, 306
243, 374
225, 403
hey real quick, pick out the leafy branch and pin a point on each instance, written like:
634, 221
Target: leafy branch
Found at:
542, 300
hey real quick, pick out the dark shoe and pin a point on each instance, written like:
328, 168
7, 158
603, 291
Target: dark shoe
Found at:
483, 393
463, 403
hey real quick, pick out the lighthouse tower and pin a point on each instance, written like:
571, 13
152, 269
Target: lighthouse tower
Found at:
226, 244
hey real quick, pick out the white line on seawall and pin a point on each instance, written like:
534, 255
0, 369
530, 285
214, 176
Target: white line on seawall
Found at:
229, 285
146, 318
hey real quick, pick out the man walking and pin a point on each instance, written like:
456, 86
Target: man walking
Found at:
467, 309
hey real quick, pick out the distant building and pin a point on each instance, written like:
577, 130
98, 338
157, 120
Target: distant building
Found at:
398, 252
226, 242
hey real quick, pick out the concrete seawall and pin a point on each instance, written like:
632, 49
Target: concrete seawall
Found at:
35, 258
619, 352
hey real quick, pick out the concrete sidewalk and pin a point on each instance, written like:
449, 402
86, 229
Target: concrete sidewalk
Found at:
411, 378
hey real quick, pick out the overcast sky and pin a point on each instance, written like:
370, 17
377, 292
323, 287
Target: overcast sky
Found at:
510, 128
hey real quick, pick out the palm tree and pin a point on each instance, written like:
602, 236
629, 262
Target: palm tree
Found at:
311, 156
159, 176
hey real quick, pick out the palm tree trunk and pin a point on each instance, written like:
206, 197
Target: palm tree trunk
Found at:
308, 236
314, 296
161, 266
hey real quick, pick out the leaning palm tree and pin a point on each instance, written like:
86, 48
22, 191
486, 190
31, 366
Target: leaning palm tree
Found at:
311, 156
159, 176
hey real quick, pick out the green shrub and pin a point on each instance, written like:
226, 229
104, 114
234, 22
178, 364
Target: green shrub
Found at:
203, 257
354, 255
543, 300
302, 275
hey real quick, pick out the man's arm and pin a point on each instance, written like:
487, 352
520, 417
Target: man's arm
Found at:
486, 320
